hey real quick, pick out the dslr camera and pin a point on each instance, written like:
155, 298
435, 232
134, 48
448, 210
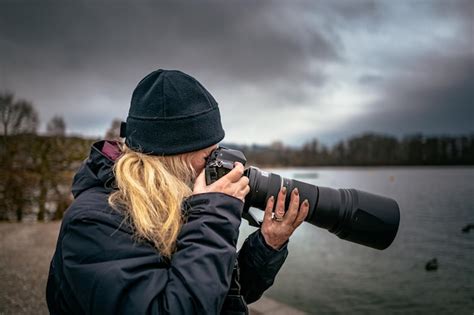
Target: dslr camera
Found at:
353, 215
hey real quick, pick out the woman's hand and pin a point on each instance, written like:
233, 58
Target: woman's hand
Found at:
233, 183
277, 229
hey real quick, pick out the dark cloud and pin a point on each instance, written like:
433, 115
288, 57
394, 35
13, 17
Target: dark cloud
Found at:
211, 37
60, 54
435, 94
460, 10
438, 97
82, 59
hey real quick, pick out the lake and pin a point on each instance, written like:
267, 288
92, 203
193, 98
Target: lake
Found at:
326, 275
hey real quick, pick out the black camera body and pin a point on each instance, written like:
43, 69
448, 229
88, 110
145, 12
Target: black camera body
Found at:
220, 162
351, 214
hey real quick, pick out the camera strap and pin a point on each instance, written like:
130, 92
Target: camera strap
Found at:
123, 129
251, 218
234, 303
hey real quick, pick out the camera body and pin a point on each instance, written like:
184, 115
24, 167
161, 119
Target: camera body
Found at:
220, 162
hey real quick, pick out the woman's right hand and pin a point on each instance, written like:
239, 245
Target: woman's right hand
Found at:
232, 184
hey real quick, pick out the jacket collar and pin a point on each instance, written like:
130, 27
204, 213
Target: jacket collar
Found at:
97, 169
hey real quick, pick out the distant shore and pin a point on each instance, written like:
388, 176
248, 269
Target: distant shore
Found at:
366, 166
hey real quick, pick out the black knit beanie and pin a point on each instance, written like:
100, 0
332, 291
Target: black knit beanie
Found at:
171, 113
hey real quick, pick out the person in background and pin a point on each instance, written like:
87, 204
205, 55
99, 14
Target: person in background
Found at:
146, 235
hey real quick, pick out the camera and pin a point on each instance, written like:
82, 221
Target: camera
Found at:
353, 215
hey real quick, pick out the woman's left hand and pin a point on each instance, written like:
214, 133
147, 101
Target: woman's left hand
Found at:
278, 227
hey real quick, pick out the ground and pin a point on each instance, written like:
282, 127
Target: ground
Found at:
24, 262
26, 250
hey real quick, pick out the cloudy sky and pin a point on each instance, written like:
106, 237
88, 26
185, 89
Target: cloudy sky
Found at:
280, 70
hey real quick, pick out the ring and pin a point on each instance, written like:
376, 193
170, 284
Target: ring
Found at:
277, 218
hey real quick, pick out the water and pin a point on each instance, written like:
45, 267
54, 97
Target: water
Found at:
326, 275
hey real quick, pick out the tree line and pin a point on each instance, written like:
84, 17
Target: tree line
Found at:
36, 170
368, 149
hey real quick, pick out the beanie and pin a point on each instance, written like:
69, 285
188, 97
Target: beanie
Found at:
171, 113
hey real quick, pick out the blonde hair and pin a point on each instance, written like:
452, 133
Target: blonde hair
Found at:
150, 190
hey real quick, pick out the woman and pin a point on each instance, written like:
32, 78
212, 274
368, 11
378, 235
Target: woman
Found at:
146, 235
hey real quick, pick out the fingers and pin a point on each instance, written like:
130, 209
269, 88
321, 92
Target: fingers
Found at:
233, 183
293, 207
236, 173
242, 187
280, 206
243, 181
269, 209
277, 232
302, 213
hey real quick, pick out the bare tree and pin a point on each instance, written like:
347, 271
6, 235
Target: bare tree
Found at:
56, 127
18, 123
16, 116
113, 133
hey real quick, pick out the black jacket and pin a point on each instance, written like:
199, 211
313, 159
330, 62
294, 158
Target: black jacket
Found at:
100, 268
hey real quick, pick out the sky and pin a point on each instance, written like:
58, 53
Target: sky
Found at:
285, 71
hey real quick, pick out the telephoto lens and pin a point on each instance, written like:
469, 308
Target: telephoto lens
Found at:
351, 214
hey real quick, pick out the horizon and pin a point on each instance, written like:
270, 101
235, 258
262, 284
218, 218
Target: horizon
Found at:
277, 142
